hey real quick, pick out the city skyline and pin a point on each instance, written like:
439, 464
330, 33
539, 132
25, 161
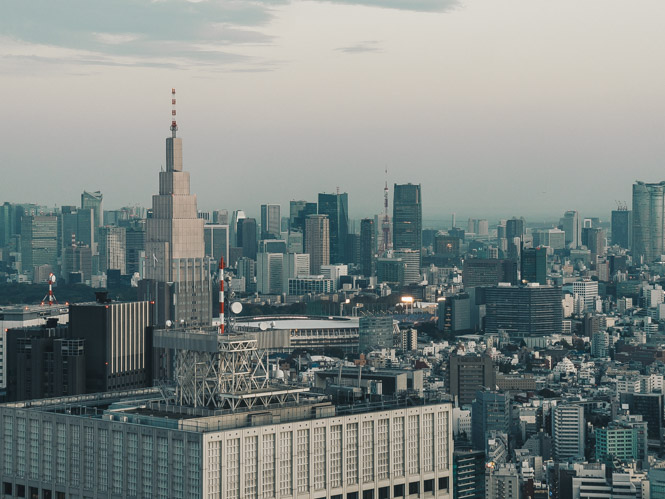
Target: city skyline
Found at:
537, 101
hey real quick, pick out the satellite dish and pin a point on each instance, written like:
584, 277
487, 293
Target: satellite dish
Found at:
236, 307
263, 326
168, 323
52, 278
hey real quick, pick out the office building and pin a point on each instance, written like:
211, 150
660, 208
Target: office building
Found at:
298, 213
407, 218
503, 481
216, 237
135, 257
117, 342
446, 245
488, 272
317, 242
246, 237
376, 333
622, 227
411, 259
390, 270
523, 311
334, 273
568, 431
235, 218
39, 242
469, 474
20, 316
273, 246
552, 238
311, 284
648, 221
490, 411
616, 442
271, 220
112, 249
534, 265
246, 268
515, 228
220, 217
294, 265
76, 264
587, 290
93, 201
454, 313
570, 223
177, 274
650, 407
367, 247
43, 362
269, 273
86, 232
468, 373
336, 207
594, 239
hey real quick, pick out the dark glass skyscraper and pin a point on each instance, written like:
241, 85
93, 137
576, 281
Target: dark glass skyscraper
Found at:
407, 217
621, 220
367, 246
298, 213
246, 237
534, 265
336, 206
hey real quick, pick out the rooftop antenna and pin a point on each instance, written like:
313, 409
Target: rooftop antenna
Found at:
174, 125
50, 296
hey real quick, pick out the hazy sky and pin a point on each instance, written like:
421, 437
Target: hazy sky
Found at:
526, 107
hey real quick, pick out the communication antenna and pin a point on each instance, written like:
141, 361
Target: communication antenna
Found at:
50, 297
385, 226
174, 125
221, 295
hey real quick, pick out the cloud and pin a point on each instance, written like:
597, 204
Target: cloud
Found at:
161, 33
414, 5
361, 47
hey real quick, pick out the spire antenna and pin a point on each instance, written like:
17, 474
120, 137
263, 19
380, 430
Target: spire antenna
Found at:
174, 125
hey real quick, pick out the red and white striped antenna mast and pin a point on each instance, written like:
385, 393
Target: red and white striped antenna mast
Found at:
221, 295
50, 297
174, 125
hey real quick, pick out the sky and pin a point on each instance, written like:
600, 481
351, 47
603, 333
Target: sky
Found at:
498, 108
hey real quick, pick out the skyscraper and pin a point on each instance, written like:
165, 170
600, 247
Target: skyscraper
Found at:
621, 227
336, 206
317, 242
112, 249
534, 265
515, 228
648, 220
367, 246
490, 412
568, 431
407, 217
176, 270
298, 211
570, 224
246, 237
270, 221
39, 242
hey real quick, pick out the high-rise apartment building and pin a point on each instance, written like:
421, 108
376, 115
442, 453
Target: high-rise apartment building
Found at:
367, 246
648, 221
622, 227
271, 221
407, 217
587, 289
411, 259
178, 278
336, 206
317, 242
568, 431
570, 224
39, 242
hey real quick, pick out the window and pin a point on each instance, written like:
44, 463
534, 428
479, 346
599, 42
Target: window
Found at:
368, 451
398, 446
89, 459
383, 450
233, 468
335, 456
7, 488
132, 463
368, 494
285, 462
47, 451
251, 465
75, 455
428, 485
303, 460
61, 453
178, 488
414, 444
8, 448
414, 488
319, 458
269, 465
428, 442
398, 490
384, 493
443, 483
162, 467
147, 458
351, 453
352, 495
